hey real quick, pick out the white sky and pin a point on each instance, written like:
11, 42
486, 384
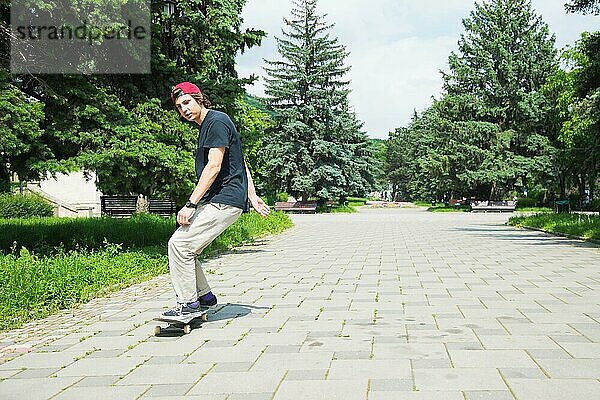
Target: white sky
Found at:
397, 48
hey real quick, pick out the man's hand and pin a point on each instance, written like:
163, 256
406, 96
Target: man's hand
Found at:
260, 206
183, 216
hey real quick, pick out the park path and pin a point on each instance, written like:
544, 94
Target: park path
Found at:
382, 304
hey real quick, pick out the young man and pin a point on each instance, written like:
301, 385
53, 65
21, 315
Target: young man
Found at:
221, 194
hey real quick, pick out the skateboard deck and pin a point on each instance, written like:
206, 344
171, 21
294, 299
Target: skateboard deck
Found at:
181, 323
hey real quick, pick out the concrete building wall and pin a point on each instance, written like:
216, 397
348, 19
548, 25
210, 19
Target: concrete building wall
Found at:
72, 194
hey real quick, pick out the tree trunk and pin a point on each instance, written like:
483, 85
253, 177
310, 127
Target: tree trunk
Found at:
4, 179
492, 192
563, 186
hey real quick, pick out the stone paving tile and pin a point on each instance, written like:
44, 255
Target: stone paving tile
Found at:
582, 350
92, 381
458, 379
295, 361
306, 375
369, 369
391, 385
168, 390
555, 389
35, 373
575, 368
170, 375
35, 388
101, 366
42, 360
488, 395
491, 358
238, 382
338, 389
102, 393
417, 395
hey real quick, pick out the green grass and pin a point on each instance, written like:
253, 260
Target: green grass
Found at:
534, 209
36, 285
355, 204
442, 208
419, 203
343, 209
585, 226
43, 235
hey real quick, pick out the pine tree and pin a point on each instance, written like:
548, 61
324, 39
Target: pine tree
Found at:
317, 147
504, 58
584, 6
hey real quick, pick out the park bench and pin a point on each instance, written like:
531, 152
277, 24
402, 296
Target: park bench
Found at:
309, 207
493, 206
125, 206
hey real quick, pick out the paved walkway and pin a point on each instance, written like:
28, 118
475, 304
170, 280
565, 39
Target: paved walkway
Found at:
383, 304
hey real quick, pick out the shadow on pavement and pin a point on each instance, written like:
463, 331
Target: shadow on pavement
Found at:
221, 312
531, 238
232, 310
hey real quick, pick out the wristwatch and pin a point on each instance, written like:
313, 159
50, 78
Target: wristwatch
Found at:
189, 204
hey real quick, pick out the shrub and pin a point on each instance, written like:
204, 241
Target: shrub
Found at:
44, 235
24, 206
526, 202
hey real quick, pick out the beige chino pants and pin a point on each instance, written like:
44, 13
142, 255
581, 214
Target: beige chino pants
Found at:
207, 222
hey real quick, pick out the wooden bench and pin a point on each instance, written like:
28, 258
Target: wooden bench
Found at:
309, 207
493, 206
125, 206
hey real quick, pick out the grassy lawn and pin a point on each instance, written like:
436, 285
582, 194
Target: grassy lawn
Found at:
442, 208
422, 203
103, 260
585, 226
534, 209
345, 209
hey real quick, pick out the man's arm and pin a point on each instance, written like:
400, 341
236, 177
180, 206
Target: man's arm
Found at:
208, 176
257, 203
209, 173
251, 188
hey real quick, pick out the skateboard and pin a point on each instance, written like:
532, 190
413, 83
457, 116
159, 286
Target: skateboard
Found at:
184, 324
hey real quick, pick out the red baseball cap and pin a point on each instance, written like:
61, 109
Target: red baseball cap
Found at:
184, 88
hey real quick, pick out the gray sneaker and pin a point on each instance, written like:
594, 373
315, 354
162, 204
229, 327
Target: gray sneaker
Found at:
184, 310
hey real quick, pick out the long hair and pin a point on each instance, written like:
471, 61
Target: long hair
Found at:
202, 99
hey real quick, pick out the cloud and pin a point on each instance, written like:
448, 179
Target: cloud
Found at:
397, 48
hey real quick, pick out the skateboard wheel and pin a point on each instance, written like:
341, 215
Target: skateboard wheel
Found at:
204, 318
187, 329
157, 330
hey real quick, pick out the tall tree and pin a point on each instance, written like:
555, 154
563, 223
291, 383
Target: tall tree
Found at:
504, 58
99, 121
584, 6
317, 147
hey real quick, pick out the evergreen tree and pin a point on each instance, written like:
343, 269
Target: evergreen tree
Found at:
584, 6
504, 58
317, 147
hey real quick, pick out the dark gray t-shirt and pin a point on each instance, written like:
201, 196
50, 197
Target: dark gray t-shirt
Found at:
231, 184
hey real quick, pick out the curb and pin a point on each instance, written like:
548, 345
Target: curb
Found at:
565, 235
